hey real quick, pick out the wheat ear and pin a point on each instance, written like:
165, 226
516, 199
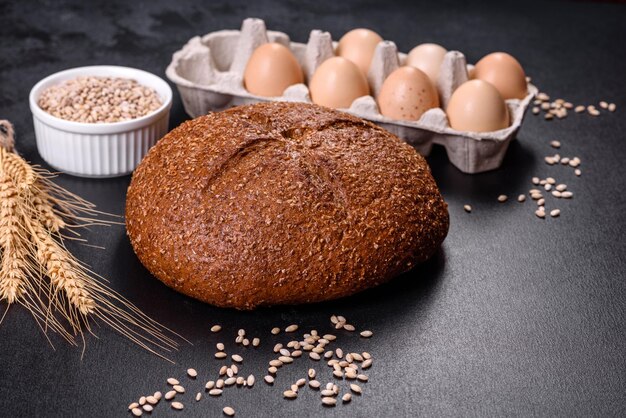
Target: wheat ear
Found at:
41, 203
22, 173
13, 271
61, 269
55, 206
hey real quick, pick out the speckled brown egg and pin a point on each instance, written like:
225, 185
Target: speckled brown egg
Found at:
406, 94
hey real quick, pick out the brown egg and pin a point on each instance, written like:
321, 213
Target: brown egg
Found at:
337, 83
358, 46
428, 58
271, 69
406, 94
504, 72
477, 106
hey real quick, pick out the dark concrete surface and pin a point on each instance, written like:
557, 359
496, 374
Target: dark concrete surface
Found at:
515, 316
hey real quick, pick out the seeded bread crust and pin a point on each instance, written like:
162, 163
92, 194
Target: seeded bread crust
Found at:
282, 203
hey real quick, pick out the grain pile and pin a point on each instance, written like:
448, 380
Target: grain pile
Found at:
99, 100
550, 186
560, 108
346, 370
38, 272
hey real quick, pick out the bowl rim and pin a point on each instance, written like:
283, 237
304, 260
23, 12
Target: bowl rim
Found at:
144, 78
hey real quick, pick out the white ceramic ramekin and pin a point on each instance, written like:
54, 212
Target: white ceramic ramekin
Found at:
99, 149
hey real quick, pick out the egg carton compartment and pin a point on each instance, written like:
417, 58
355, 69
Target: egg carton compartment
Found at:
208, 72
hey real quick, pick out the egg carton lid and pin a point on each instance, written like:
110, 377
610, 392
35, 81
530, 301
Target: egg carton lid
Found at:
208, 72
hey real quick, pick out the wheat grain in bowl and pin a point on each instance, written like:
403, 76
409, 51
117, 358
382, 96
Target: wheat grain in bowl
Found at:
93, 99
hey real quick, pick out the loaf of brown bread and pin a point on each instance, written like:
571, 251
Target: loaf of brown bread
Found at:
282, 203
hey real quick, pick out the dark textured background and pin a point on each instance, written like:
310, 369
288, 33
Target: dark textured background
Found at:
515, 316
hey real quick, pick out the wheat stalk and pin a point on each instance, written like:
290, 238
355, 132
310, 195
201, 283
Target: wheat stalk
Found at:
18, 281
37, 270
87, 297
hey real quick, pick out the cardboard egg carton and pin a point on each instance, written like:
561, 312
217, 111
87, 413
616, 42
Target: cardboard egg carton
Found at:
209, 72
